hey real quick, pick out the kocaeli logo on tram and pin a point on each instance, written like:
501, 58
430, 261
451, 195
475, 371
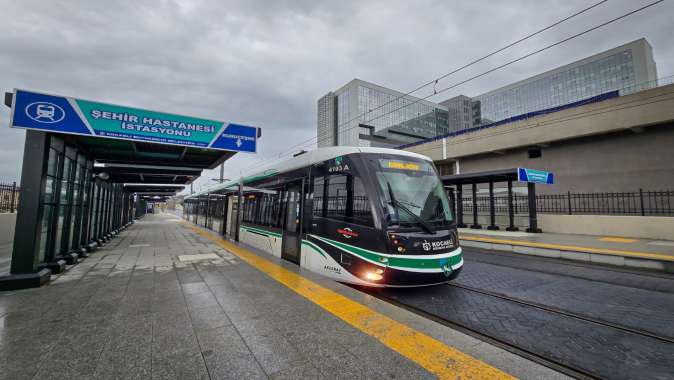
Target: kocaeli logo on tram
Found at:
437, 245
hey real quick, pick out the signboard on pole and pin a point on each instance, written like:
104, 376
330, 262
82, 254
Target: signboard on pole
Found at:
534, 176
62, 114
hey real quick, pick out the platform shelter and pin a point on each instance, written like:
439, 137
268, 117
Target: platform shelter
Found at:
90, 167
454, 185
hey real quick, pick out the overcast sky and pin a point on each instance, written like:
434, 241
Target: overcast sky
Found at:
265, 63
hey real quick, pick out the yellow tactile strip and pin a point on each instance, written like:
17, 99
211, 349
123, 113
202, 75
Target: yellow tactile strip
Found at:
571, 248
431, 354
612, 239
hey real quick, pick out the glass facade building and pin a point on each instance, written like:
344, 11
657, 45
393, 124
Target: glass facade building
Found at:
623, 68
364, 114
461, 111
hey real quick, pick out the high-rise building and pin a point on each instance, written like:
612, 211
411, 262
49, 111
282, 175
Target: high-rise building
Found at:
365, 114
326, 133
460, 112
625, 68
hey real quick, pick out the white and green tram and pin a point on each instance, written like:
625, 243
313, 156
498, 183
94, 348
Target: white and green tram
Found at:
366, 216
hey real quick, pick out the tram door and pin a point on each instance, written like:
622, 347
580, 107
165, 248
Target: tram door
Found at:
291, 227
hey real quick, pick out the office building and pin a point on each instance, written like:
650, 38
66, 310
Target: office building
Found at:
460, 112
365, 114
326, 132
626, 68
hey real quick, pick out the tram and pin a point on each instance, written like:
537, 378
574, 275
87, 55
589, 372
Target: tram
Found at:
366, 216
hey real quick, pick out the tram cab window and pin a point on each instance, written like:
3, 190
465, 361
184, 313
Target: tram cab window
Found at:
341, 197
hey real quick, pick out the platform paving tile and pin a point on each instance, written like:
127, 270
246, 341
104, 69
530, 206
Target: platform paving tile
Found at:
228, 356
139, 313
130, 361
180, 366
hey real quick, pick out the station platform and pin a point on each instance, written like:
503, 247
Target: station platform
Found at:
166, 299
618, 251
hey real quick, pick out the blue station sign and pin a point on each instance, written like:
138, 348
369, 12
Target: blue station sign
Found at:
535, 176
62, 114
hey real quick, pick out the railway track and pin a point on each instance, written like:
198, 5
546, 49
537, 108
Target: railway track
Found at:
567, 313
577, 366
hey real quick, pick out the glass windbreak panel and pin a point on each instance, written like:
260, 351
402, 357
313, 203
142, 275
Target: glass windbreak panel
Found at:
53, 163
65, 186
73, 227
45, 227
49, 190
59, 229
66, 168
76, 194
412, 190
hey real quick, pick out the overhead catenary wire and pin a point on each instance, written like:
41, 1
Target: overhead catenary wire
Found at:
435, 81
465, 66
574, 36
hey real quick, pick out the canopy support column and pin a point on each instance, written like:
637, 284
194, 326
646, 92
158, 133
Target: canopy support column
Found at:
25, 270
511, 209
475, 225
492, 212
533, 215
459, 207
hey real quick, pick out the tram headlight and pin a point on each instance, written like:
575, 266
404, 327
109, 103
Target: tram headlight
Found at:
375, 275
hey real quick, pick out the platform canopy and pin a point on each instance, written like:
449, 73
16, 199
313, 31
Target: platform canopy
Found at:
503, 175
500, 175
147, 168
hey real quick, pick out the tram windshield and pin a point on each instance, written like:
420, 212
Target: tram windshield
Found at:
413, 193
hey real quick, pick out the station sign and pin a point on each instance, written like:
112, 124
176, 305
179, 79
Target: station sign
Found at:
62, 114
535, 176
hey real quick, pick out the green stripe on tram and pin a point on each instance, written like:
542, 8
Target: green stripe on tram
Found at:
261, 231
275, 234
400, 262
314, 247
415, 263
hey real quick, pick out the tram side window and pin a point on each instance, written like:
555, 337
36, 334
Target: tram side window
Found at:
342, 197
262, 209
318, 196
249, 203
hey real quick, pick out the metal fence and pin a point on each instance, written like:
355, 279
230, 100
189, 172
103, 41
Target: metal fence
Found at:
653, 203
9, 197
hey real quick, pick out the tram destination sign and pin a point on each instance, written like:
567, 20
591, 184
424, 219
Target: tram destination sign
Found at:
62, 114
535, 176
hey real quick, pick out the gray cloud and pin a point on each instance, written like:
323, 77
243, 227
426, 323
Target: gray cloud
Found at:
266, 63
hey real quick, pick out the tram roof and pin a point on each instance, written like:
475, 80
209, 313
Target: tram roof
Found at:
303, 160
